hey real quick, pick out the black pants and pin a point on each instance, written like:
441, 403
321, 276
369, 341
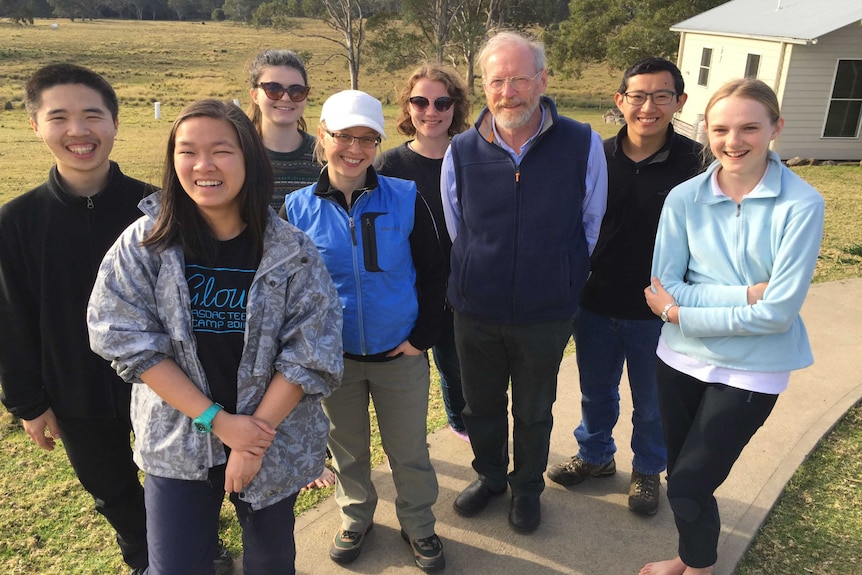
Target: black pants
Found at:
490, 355
101, 455
706, 426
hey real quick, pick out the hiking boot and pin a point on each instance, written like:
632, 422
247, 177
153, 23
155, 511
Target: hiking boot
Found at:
223, 561
347, 544
576, 470
643, 493
427, 552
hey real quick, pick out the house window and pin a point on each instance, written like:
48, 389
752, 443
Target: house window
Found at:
705, 63
845, 106
752, 65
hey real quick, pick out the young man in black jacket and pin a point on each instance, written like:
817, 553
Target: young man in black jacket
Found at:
613, 324
52, 240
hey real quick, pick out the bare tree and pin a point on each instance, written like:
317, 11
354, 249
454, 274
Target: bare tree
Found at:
347, 19
434, 18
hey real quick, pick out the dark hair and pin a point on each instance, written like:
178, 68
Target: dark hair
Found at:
62, 74
180, 222
653, 66
454, 87
270, 59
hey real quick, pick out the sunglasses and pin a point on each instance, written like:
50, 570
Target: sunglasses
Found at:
274, 91
421, 102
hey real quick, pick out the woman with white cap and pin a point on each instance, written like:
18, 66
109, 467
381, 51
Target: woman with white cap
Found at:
378, 240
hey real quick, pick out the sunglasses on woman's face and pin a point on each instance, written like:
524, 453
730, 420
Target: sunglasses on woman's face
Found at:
274, 91
442, 104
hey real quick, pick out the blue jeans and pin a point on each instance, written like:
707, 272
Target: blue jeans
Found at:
449, 369
602, 344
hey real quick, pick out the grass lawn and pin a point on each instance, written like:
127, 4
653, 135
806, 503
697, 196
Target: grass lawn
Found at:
47, 523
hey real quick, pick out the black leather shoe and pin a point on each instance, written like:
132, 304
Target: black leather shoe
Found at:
475, 498
525, 513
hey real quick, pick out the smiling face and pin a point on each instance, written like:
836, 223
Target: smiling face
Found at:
78, 128
210, 165
648, 121
282, 112
430, 123
346, 165
739, 131
512, 109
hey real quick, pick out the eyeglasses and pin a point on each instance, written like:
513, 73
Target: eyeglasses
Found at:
518, 83
659, 97
274, 91
442, 103
347, 140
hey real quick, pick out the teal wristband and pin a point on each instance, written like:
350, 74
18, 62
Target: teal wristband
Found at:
204, 422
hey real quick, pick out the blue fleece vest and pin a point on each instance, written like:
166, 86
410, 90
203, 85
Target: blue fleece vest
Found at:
521, 254
367, 253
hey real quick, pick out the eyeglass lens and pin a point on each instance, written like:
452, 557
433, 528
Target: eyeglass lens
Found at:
347, 140
274, 91
518, 83
442, 103
659, 97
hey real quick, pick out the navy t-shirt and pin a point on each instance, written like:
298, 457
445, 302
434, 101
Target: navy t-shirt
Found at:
219, 296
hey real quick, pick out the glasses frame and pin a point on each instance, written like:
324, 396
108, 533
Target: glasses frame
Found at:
366, 142
275, 91
441, 104
649, 96
510, 80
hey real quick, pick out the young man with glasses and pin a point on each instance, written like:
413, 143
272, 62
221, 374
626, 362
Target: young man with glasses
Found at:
614, 325
524, 193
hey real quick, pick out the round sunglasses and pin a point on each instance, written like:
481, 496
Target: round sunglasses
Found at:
274, 91
442, 103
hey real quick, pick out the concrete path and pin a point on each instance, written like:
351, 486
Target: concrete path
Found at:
588, 529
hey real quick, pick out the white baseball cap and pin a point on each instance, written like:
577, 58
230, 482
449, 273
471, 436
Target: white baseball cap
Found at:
352, 108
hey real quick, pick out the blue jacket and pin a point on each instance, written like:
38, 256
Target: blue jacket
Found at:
520, 255
140, 314
384, 257
709, 249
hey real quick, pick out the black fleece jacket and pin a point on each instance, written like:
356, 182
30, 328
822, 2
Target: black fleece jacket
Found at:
622, 258
51, 245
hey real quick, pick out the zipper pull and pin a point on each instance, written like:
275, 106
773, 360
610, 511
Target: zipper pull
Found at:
517, 174
352, 230
90, 204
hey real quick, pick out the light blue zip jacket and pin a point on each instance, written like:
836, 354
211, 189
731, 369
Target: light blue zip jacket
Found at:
140, 314
709, 249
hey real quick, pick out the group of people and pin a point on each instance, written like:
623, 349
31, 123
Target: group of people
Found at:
255, 343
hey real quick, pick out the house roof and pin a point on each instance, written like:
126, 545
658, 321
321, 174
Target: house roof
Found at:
794, 21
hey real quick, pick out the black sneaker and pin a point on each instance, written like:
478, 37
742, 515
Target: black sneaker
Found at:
347, 545
223, 561
643, 493
427, 552
576, 470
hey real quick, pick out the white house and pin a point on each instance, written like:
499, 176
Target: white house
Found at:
808, 51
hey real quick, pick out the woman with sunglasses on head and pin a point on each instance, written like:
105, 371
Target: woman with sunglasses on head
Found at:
279, 93
377, 237
433, 108
734, 255
226, 322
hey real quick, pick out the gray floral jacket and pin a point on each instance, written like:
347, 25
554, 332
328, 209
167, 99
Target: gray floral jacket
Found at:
139, 314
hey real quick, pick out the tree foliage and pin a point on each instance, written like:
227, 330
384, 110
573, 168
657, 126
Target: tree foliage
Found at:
618, 32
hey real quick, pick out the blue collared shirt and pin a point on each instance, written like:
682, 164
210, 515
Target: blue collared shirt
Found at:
595, 197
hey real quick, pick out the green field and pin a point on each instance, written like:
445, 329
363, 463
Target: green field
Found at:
47, 524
